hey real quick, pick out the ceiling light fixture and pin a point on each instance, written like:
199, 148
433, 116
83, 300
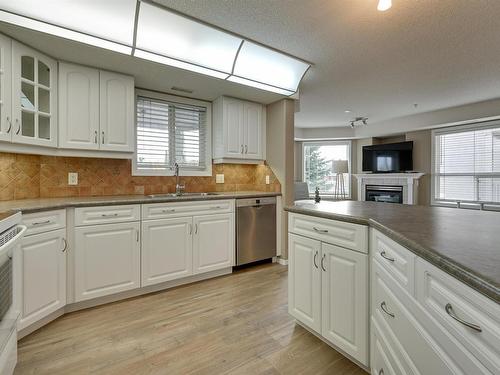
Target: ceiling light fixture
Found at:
152, 32
384, 5
358, 121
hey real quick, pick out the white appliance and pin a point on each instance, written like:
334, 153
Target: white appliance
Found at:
11, 231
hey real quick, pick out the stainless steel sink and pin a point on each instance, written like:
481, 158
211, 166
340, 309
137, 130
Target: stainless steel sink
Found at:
173, 195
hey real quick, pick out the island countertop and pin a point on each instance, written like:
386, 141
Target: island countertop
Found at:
463, 243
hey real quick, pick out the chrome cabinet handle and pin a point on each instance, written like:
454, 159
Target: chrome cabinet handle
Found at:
381, 372
314, 259
65, 245
103, 137
109, 215
383, 307
137, 236
320, 230
168, 210
246, 149
196, 229
322, 260
18, 126
241, 149
95, 136
382, 254
10, 125
190, 229
215, 207
41, 222
450, 312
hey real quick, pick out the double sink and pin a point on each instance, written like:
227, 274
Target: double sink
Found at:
174, 195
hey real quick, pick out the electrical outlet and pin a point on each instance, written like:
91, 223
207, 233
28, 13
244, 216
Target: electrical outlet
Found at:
268, 180
219, 178
72, 178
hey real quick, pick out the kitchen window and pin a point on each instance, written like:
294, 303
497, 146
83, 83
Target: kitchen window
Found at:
466, 166
171, 130
318, 160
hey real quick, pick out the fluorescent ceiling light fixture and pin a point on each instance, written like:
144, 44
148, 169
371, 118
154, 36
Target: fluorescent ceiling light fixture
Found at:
178, 64
152, 32
111, 20
62, 32
168, 34
384, 5
265, 65
262, 86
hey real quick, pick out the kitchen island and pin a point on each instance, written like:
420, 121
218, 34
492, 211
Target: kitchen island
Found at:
398, 288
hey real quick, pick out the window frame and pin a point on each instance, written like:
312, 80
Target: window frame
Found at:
467, 204
348, 143
208, 138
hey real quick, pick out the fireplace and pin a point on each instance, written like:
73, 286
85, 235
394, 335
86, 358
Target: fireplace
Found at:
384, 193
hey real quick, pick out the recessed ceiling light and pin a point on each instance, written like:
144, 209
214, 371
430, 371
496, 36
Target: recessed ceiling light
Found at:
384, 5
347, 111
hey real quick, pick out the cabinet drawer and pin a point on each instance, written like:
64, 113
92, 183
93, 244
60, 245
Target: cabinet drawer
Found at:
383, 355
436, 289
397, 260
351, 236
179, 209
45, 221
107, 214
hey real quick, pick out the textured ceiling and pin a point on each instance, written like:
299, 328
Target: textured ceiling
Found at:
437, 53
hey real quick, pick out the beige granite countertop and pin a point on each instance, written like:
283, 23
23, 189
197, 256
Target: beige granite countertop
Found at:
42, 204
463, 243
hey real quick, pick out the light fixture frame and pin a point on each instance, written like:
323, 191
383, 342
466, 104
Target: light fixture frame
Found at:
87, 38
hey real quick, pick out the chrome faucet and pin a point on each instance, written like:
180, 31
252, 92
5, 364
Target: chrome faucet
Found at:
179, 188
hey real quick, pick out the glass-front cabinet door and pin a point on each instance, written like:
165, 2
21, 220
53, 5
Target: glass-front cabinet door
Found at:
34, 95
5, 89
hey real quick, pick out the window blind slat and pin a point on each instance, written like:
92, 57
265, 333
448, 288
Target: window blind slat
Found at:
170, 132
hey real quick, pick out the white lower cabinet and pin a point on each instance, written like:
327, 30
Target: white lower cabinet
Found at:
344, 289
213, 242
328, 292
166, 249
304, 281
43, 281
107, 259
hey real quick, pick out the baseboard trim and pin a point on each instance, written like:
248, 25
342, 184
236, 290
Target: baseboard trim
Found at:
283, 262
82, 305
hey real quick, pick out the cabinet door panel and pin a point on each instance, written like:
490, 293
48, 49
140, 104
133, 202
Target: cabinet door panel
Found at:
253, 130
5, 89
344, 288
166, 250
43, 286
213, 242
233, 127
78, 107
116, 112
107, 259
34, 95
304, 281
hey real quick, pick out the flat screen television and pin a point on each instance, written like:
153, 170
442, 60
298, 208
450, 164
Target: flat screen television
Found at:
388, 158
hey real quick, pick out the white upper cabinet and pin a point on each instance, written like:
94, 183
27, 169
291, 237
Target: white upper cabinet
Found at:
96, 109
116, 112
239, 131
5, 89
34, 97
78, 107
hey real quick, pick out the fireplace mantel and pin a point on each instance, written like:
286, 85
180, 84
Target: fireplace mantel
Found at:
409, 181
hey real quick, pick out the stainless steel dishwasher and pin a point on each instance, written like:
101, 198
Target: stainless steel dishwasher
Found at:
255, 229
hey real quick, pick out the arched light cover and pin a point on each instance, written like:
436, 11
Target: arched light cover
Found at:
149, 31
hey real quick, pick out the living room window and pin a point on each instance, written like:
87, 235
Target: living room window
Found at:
320, 161
171, 130
466, 166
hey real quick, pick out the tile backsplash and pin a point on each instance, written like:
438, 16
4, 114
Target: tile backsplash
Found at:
34, 176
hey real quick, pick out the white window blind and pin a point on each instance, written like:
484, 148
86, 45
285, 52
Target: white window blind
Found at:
467, 165
169, 133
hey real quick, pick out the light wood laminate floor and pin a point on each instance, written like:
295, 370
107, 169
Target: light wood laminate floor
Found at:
236, 324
